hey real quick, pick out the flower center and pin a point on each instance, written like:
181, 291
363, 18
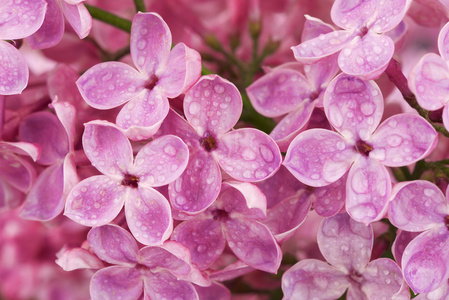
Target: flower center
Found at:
363, 148
130, 180
314, 95
151, 83
446, 222
356, 276
220, 215
363, 31
208, 142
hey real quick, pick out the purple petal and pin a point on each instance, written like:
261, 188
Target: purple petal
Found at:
248, 154
143, 115
213, 105
113, 244
345, 243
95, 201
150, 42
10, 197
232, 271
107, 148
440, 293
14, 75
446, 117
403, 238
253, 243
417, 206
368, 190
382, 279
78, 258
116, 283
389, 14
204, 238
403, 139
21, 19
16, 171
311, 278
78, 17
353, 107
198, 186
279, 92
66, 113
177, 125
429, 81
313, 28
320, 47
21, 148
161, 161
367, 57
322, 72
425, 260
216, 291
353, 14
318, 157
443, 42
182, 71
148, 216
243, 198
52, 29
110, 84
329, 200
163, 285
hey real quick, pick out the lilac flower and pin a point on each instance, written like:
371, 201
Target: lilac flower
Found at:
160, 272
429, 79
347, 246
420, 206
318, 157
52, 29
365, 49
212, 107
234, 217
97, 200
160, 74
19, 20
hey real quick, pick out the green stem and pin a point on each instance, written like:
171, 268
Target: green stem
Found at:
140, 6
107, 17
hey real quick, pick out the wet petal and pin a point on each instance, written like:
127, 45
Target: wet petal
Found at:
198, 186
116, 283
382, 279
177, 125
78, 17
279, 92
389, 14
150, 42
14, 75
113, 244
313, 28
403, 238
353, 14
95, 201
213, 105
161, 161
311, 278
440, 293
107, 148
318, 157
329, 200
403, 139
216, 291
163, 285
243, 198
322, 72
110, 84
443, 42
417, 206
354, 107
368, 190
148, 216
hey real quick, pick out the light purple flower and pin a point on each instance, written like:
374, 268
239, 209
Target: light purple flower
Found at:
97, 200
19, 20
318, 157
346, 245
364, 48
160, 74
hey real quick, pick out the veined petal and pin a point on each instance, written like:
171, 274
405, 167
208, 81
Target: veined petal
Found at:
248, 154
446, 117
429, 81
107, 148
314, 27
182, 70
353, 14
163, 285
279, 92
14, 70
311, 278
366, 57
21, 148
440, 293
443, 42
322, 72
389, 14
243, 198
91, 206
318, 157
150, 42
113, 244
403, 238
215, 291
110, 84
16, 171
417, 206
78, 17
161, 161
353, 107
368, 190
213, 104
403, 139
329, 200
116, 283
148, 216
382, 279
78, 258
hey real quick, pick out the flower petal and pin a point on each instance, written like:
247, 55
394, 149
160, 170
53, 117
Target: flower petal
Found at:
443, 42
113, 244
148, 216
110, 84
91, 206
16, 171
116, 283
248, 154
329, 200
382, 279
216, 291
78, 258
78, 17
403, 238
161, 161
14, 75
212, 105
163, 285
403, 139
243, 198
389, 14
353, 14
318, 157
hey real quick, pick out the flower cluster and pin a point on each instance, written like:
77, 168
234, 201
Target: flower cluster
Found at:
224, 150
